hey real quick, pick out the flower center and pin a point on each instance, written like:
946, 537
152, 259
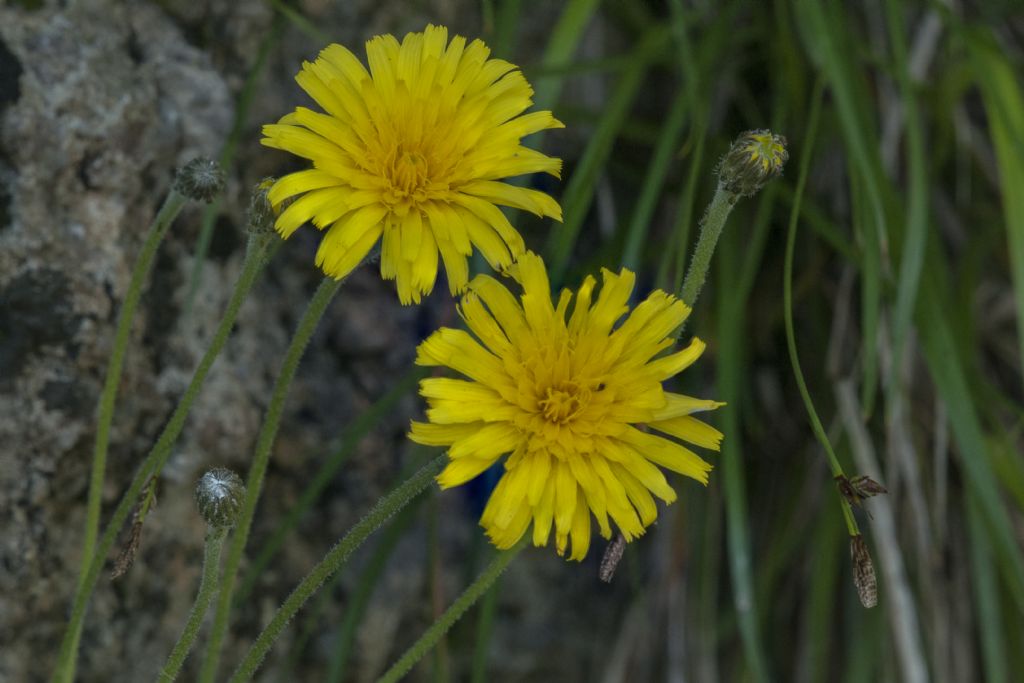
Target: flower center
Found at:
409, 174
410, 171
563, 402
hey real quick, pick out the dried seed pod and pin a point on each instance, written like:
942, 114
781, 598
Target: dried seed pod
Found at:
219, 496
126, 558
863, 572
612, 556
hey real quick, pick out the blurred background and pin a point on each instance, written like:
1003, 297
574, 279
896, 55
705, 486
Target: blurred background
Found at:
908, 302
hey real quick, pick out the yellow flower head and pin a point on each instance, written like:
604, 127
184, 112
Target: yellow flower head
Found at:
412, 151
567, 395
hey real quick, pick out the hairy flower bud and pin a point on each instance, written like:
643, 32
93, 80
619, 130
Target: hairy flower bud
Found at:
219, 496
260, 220
200, 179
755, 157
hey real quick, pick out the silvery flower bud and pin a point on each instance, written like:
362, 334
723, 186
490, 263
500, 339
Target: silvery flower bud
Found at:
200, 179
219, 496
755, 157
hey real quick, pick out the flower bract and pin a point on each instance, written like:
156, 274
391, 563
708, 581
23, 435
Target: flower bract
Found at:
572, 391
412, 152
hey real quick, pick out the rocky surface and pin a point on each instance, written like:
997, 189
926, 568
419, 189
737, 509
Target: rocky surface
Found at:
98, 104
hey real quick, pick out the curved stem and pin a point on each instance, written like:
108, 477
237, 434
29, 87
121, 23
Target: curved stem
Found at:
157, 230
207, 586
333, 561
710, 229
360, 600
433, 634
350, 440
258, 469
787, 295
257, 255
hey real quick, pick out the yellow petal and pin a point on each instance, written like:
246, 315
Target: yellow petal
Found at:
671, 365
691, 429
440, 435
543, 514
565, 498
678, 404
580, 533
489, 442
483, 325
493, 217
459, 351
638, 494
523, 198
299, 182
668, 454
460, 471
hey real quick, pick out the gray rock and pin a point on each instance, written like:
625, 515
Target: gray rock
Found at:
98, 104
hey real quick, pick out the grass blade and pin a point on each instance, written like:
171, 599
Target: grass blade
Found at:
1004, 105
580, 190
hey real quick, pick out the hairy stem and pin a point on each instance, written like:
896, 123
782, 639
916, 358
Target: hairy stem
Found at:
257, 470
710, 229
157, 230
440, 626
207, 587
257, 255
333, 561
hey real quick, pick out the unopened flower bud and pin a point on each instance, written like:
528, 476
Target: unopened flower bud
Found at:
262, 213
755, 157
863, 572
219, 496
200, 179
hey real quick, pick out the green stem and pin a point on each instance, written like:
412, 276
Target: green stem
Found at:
433, 634
484, 631
207, 586
256, 257
258, 469
350, 440
108, 398
227, 156
360, 597
710, 229
333, 561
787, 294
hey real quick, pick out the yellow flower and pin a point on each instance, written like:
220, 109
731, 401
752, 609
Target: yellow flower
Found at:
412, 151
567, 395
